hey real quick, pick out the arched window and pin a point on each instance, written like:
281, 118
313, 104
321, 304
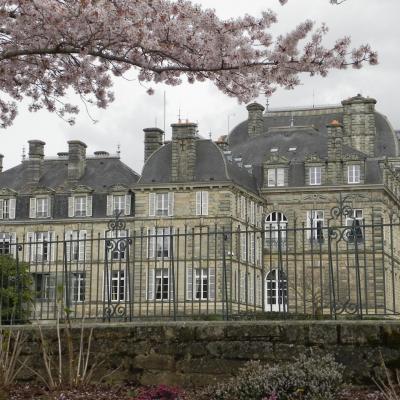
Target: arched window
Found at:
276, 291
275, 229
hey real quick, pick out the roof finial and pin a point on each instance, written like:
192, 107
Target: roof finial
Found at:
179, 115
119, 150
23, 153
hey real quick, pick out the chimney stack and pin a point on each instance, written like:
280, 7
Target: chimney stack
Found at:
255, 122
335, 152
76, 160
1, 163
359, 123
34, 164
183, 151
153, 140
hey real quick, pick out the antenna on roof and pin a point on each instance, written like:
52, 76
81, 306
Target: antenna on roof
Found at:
23, 153
119, 150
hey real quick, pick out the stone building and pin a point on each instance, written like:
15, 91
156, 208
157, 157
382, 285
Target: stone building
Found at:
294, 211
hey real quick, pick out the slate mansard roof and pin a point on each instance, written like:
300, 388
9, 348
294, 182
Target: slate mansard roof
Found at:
100, 174
212, 166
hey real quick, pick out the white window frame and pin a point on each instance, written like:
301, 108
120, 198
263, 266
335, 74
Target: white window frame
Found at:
77, 245
78, 286
275, 229
47, 288
119, 204
80, 206
200, 284
353, 173
118, 254
161, 281
39, 207
7, 208
159, 242
358, 217
316, 223
315, 175
41, 247
84, 202
276, 177
118, 290
276, 291
7, 243
161, 204
202, 203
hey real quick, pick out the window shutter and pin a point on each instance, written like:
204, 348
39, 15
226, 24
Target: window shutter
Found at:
30, 247
309, 225
89, 206
82, 245
12, 204
71, 211
211, 275
68, 239
243, 246
128, 202
198, 203
271, 177
1, 208
242, 286
204, 203
170, 204
150, 284
14, 244
189, 284
280, 177
107, 285
243, 207
51, 237
152, 204
32, 207
151, 242
110, 199
48, 208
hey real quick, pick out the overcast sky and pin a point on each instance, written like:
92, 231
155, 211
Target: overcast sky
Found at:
366, 21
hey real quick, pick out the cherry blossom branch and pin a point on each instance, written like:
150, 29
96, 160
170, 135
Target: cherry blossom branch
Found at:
50, 46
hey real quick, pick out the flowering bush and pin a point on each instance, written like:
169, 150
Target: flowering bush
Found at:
160, 392
309, 378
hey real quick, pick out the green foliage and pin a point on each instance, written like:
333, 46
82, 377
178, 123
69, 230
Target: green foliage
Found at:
308, 378
15, 289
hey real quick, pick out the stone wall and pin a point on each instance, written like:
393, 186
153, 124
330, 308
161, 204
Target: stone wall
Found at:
200, 353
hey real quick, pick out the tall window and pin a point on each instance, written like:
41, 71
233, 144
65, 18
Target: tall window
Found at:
356, 221
276, 291
78, 287
353, 173
315, 225
5, 243
39, 207
40, 247
159, 242
275, 229
45, 286
158, 284
276, 177
7, 208
116, 247
80, 206
201, 283
315, 175
202, 203
77, 245
161, 204
119, 204
115, 286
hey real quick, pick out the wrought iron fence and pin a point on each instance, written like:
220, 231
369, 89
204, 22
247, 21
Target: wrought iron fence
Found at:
345, 266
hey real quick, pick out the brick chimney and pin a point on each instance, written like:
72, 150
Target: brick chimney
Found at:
255, 121
76, 160
359, 123
153, 140
1, 163
34, 164
183, 151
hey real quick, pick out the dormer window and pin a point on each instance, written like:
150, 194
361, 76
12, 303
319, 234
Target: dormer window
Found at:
119, 204
353, 173
315, 175
80, 206
39, 207
7, 208
276, 177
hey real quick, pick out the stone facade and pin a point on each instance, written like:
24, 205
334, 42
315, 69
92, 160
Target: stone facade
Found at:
240, 225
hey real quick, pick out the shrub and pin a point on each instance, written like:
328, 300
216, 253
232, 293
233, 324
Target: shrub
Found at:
313, 378
160, 392
15, 290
